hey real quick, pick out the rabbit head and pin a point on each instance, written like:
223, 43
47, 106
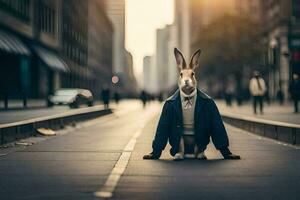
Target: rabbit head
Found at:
187, 81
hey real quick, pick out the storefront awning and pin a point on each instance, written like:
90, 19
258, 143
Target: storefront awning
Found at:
11, 44
51, 59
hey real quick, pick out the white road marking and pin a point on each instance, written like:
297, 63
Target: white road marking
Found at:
107, 190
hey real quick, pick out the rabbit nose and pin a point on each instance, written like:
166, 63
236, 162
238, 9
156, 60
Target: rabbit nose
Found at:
186, 81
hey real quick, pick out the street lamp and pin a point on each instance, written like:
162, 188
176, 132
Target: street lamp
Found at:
273, 44
115, 79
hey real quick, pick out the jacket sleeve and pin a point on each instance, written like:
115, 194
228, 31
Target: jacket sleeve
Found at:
162, 131
251, 89
218, 131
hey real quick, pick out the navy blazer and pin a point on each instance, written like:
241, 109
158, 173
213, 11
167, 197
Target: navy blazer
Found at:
208, 123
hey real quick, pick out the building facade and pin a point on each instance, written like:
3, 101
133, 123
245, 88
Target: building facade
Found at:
44, 45
281, 35
116, 13
167, 71
150, 75
100, 44
182, 23
30, 42
121, 58
75, 43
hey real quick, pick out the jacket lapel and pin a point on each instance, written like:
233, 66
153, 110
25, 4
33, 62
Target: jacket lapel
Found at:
176, 102
199, 109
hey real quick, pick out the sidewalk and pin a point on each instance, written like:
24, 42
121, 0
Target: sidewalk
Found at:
273, 112
18, 104
35, 109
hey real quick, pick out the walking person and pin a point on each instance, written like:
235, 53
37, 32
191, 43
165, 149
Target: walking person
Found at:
294, 90
143, 97
257, 89
229, 93
280, 96
117, 97
105, 94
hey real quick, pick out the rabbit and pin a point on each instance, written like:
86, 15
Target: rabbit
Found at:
187, 84
189, 119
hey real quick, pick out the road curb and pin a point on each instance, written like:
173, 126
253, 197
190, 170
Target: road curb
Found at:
14, 131
281, 131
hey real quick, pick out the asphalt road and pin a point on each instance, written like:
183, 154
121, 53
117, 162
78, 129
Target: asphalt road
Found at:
76, 164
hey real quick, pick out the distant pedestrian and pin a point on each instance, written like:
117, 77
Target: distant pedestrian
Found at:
294, 90
229, 93
267, 97
117, 97
257, 89
280, 96
105, 94
143, 97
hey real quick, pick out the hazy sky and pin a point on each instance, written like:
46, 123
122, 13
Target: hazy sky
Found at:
143, 17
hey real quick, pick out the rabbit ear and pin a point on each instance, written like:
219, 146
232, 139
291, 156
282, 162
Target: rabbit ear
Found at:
181, 64
195, 59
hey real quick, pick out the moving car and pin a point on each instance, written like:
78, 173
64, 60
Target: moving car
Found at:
72, 97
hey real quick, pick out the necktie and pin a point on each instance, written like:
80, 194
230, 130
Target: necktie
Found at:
188, 102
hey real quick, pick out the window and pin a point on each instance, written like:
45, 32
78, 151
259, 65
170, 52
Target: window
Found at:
48, 20
18, 8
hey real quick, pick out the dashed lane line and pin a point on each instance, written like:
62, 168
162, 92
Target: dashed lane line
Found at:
107, 190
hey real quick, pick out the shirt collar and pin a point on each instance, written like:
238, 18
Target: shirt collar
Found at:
192, 95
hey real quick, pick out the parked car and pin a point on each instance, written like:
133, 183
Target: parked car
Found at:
72, 97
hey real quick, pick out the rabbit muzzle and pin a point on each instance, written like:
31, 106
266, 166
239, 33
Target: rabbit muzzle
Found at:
187, 86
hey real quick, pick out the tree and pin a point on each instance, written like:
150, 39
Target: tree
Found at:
229, 45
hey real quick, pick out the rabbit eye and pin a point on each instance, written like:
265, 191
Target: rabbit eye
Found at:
181, 74
193, 74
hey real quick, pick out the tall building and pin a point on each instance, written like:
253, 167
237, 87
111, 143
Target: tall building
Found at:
130, 81
100, 41
165, 62
116, 13
150, 75
281, 29
75, 42
147, 74
182, 22
121, 66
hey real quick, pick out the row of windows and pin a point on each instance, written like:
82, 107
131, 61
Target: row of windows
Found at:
296, 9
18, 8
75, 35
47, 19
75, 54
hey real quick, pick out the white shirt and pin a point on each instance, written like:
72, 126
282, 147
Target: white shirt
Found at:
188, 109
255, 90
